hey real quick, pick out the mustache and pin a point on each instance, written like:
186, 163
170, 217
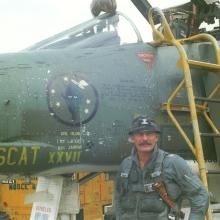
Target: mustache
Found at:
144, 143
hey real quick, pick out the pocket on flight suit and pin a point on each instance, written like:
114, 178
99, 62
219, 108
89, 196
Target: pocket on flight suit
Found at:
152, 205
128, 216
128, 204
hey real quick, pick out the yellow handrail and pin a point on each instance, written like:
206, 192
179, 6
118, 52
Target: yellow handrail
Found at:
171, 98
209, 38
167, 37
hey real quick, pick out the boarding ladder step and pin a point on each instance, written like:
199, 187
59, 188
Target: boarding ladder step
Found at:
210, 135
207, 99
204, 65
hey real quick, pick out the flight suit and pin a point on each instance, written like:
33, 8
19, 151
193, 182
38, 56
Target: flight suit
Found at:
136, 200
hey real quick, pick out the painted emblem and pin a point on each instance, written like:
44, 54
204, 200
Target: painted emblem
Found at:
148, 58
144, 121
72, 100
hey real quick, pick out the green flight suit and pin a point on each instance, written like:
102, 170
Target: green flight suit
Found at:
134, 202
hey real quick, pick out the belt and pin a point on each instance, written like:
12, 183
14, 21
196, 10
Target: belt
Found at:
147, 188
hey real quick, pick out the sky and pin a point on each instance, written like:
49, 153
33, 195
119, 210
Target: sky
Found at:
26, 22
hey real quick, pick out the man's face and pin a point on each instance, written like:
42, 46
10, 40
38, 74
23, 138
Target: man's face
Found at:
144, 141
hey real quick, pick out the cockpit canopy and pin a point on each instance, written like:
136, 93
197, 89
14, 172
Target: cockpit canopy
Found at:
104, 30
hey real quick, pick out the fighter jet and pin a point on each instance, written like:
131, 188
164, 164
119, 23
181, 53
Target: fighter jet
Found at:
67, 102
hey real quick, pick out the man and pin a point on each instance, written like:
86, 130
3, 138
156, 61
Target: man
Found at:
152, 183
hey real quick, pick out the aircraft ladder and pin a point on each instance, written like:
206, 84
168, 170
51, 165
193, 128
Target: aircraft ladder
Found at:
185, 63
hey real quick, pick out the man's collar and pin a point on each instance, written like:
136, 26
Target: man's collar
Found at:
134, 155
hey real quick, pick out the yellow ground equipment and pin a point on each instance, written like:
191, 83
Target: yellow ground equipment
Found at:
94, 195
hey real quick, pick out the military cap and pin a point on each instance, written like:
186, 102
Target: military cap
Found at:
143, 123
